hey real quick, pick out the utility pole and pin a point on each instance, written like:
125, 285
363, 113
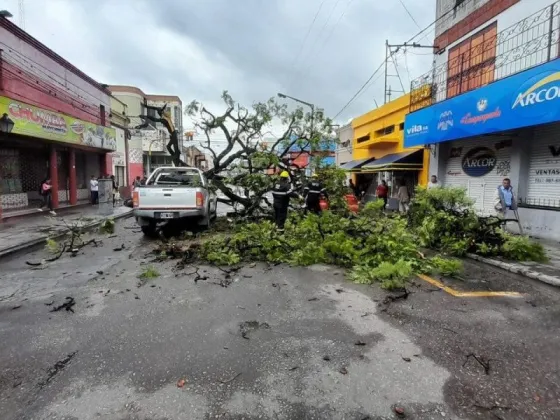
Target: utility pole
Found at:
389, 53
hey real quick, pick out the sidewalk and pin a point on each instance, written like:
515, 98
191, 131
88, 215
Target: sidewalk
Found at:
23, 232
547, 273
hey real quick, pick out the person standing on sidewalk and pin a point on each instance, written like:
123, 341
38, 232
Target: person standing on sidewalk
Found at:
433, 183
94, 190
46, 193
404, 197
382, 192
504, 199
115, 188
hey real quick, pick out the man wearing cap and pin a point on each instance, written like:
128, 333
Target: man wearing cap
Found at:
313, 192
281, 194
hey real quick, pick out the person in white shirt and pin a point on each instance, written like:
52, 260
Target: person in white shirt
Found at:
433, 182
94, 189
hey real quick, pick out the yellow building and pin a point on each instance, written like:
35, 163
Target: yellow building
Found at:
378, 152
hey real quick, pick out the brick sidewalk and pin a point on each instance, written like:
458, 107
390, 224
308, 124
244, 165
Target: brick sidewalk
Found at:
27, 231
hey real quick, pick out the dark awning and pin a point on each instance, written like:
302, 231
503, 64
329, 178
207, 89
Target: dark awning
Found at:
356, 164
404, 161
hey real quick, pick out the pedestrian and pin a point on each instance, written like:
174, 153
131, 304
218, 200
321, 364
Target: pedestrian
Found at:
94, 190
403, 196
115, 188
281, 194
433, 182
46, 193
382, 193
313, 192
137, 182
504, 199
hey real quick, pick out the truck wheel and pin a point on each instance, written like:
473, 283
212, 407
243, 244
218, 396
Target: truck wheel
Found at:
149, 231
205, 223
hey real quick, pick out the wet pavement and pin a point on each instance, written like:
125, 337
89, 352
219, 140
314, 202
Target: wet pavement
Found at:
277, 343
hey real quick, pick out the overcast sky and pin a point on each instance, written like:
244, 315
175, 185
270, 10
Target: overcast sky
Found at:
253, 48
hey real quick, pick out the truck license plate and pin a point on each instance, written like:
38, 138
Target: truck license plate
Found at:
166, 215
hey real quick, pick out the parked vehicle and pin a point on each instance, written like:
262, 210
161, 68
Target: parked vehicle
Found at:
174, 193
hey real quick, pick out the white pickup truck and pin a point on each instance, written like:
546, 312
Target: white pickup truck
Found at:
173, 193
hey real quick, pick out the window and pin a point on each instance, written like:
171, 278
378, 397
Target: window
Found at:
385, 131
401, 126
471, 64
362, 139
102, 114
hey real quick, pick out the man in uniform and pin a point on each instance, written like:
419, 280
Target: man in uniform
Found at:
281, 194
313, 192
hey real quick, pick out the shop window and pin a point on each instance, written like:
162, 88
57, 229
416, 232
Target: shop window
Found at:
384, 131
401, 126
471, 64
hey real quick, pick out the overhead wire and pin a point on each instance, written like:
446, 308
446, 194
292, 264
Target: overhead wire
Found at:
329, 36
304, 41
386, 58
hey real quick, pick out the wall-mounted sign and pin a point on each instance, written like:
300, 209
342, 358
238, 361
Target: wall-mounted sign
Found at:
525, 99
37, 122
479, 161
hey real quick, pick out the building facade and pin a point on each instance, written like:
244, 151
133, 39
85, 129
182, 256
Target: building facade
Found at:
119, 121
55, 124
378, 152
488, 109
147, 146
343, 153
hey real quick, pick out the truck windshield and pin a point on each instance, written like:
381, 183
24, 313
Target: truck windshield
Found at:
188, 178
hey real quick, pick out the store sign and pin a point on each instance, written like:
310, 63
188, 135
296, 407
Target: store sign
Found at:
36, 122
479, 161
528, 98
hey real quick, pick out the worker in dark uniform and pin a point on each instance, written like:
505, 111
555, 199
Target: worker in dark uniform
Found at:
166, 120
313, 192
281, 194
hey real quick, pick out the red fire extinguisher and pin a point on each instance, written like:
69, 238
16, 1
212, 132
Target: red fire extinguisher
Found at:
323, 203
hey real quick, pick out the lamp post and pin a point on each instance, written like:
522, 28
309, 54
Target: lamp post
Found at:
310, 105
6, 124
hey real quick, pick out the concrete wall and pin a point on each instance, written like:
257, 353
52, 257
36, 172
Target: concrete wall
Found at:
344, 147
34, 74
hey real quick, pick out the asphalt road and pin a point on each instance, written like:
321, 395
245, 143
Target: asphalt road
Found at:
277, 343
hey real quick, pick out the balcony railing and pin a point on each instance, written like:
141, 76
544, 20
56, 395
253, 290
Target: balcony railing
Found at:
528, 43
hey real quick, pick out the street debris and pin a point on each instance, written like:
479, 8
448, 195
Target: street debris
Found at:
481, 361
120, 248
68, 304
181, 383
56, 368
339, 290
51, 303
198, 277
16, 307
313, 299
233, 378
406, 359
393, 298
248, 326
293, 368
359, 343
399, 411
343, 370
326, 358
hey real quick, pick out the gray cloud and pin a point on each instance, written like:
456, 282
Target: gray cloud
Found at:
197, 48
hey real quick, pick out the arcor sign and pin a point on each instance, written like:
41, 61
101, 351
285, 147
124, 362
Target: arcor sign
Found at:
479, 161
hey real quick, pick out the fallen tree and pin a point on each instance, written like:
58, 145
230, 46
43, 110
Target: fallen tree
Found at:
376, 247
240, 169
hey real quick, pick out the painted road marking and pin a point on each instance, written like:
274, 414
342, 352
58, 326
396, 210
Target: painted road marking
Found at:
457, 293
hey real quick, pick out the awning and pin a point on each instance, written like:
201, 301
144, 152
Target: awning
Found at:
404, 161
356, 164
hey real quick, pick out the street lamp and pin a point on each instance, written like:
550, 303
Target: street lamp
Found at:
5, 14
310, 105
6, 124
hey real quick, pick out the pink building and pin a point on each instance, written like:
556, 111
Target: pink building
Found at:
54, 123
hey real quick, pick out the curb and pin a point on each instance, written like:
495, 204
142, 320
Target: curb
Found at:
41, 241
518, 269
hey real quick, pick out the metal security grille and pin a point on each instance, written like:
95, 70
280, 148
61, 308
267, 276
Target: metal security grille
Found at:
543, 187
63, 171
480, 189
119, 176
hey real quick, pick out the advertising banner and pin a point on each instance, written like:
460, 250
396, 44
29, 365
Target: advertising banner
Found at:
525, 99
36, 122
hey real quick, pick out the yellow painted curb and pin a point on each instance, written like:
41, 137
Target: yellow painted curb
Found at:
457, 293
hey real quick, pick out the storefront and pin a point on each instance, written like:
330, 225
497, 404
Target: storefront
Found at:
379, 154
36, 144
509, 128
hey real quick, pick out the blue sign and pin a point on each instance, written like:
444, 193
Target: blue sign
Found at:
522, 100
479, 161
